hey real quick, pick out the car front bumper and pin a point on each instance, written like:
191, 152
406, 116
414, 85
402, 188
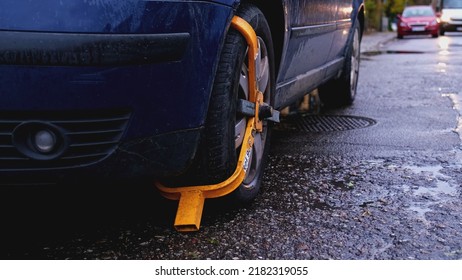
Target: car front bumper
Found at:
143, 94
451, 26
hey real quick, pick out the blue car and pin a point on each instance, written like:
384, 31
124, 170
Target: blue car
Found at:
108, 89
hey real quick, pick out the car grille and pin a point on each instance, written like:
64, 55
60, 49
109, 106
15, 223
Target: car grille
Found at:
418, 24
91, 136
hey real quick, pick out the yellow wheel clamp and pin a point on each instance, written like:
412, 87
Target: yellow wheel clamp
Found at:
192, 198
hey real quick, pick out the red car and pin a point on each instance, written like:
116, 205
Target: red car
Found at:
418, 20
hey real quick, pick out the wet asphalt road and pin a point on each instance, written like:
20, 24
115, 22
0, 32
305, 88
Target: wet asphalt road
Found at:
388, 190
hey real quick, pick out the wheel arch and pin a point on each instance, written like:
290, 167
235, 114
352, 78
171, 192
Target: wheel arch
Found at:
274, 14
361, 18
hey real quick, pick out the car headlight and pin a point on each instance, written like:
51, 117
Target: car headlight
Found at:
403, 24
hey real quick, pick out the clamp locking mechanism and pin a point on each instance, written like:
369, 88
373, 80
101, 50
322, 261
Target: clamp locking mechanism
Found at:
265, 112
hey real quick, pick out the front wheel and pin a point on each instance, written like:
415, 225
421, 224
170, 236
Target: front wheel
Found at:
342, 90
225, 127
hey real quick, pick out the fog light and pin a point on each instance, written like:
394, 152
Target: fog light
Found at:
40, 140
44, 141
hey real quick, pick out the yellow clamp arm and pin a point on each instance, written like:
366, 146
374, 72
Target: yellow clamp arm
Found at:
192, 198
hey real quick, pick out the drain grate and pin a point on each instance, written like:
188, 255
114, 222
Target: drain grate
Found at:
324, 123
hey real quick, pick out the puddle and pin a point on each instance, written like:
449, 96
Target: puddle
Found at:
456, 101
420, 211
374, 53
441, 188
441, 184
374, 162
444, 188
441, 67
433, 174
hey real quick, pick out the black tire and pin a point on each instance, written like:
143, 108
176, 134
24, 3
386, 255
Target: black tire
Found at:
342, 90
224, 127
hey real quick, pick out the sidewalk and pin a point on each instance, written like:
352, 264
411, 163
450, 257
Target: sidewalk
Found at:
374, 41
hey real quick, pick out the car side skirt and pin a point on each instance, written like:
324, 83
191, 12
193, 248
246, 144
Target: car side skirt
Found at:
291, 91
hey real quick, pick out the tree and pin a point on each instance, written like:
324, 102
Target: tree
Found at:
373, 14
394, 7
